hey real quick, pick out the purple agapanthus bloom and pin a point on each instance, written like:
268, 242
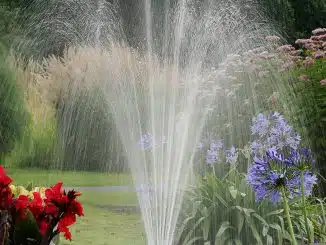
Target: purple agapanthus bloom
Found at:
268, 175
260, 125
273, 131
231, 155
302, 158
212, 154
146, 141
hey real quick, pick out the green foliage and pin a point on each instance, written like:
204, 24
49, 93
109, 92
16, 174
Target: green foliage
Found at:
310, 109
308, 15
27, 231
14, 115
220, 211
281, 14
242, 221
90, 140
37, 149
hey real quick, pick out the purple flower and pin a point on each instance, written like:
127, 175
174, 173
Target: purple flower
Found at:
268, 175
147, 141
273, 132
302, 159
260, 125
231, 155
216, 144
212, 154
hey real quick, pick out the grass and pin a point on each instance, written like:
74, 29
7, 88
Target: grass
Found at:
100, 226
92, 198
103, 227
69, 178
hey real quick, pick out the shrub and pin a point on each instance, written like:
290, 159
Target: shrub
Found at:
37, 146
14, 115
89, 138
76, 85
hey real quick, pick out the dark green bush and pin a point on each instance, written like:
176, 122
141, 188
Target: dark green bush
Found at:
37, 148
13, 113
90, 140
311, 110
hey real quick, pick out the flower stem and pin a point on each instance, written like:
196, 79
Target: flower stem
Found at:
304, 210
287, 213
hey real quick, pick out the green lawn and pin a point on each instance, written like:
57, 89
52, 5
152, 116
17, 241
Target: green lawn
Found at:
69, 178
108, 198
100, 226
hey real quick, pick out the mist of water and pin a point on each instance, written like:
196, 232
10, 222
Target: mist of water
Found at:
168, 91
168, 88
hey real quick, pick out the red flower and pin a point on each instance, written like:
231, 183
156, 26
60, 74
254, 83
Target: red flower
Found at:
6, 198
5, 191
56, 195
5, 180
65, 230
72, 208
38, 210
21, 203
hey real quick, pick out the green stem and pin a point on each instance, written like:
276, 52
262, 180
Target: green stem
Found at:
287, 213
304, 208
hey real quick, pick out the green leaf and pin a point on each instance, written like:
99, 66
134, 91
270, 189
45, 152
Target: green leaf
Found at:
233, 192
240, 222
269, 240
260, 218
223, 228
279, 211
205, 227
265, 230
279, 233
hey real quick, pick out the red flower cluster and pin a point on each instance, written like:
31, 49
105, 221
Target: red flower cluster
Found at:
5, 191
57, 209
53, 214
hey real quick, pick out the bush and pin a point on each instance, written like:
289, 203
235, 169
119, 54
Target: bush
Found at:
90, 140
38, 148
312, 109
14, 115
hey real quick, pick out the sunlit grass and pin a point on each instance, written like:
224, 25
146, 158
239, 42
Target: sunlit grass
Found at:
69, 178
100, 227
122, 198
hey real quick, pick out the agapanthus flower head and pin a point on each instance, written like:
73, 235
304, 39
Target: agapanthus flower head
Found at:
212, 154
302, 159
146, 141
231, 155
260, 124
270, 174
216, 144
273, 131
